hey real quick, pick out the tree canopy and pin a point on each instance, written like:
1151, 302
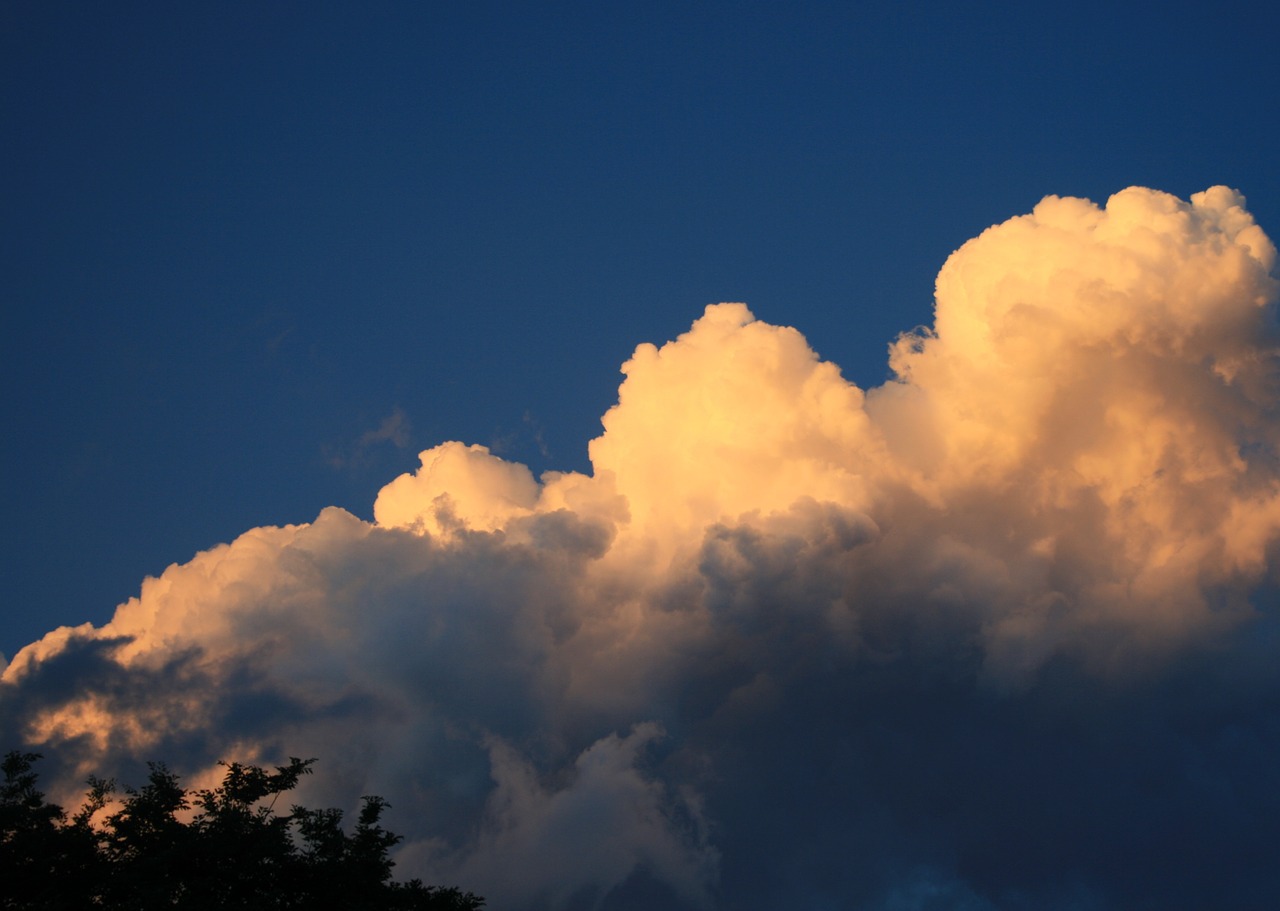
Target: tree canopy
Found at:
162, 846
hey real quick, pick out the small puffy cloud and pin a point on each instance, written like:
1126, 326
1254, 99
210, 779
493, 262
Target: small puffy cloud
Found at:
734, 416
996, 634
458, 486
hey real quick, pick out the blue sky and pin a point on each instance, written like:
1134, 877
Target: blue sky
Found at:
239, 237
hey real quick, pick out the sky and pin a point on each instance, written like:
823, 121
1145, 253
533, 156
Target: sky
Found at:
921, 555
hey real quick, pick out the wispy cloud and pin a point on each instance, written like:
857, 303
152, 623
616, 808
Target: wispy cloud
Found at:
394, 429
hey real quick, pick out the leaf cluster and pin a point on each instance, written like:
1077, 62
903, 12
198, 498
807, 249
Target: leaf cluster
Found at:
161, 846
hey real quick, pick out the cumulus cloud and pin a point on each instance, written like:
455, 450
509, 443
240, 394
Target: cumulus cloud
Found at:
996, 634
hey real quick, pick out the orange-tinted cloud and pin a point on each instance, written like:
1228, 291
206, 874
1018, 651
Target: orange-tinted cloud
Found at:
1071, 486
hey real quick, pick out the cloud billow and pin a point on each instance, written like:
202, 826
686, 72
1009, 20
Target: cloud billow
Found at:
996, 634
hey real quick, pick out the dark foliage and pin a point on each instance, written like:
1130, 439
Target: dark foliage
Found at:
165, 847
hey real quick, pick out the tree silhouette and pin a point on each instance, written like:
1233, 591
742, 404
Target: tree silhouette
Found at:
165, 847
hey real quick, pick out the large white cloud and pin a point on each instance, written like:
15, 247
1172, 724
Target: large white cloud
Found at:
788, 643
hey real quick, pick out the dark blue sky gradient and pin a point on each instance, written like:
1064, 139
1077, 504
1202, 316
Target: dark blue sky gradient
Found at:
237, 237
